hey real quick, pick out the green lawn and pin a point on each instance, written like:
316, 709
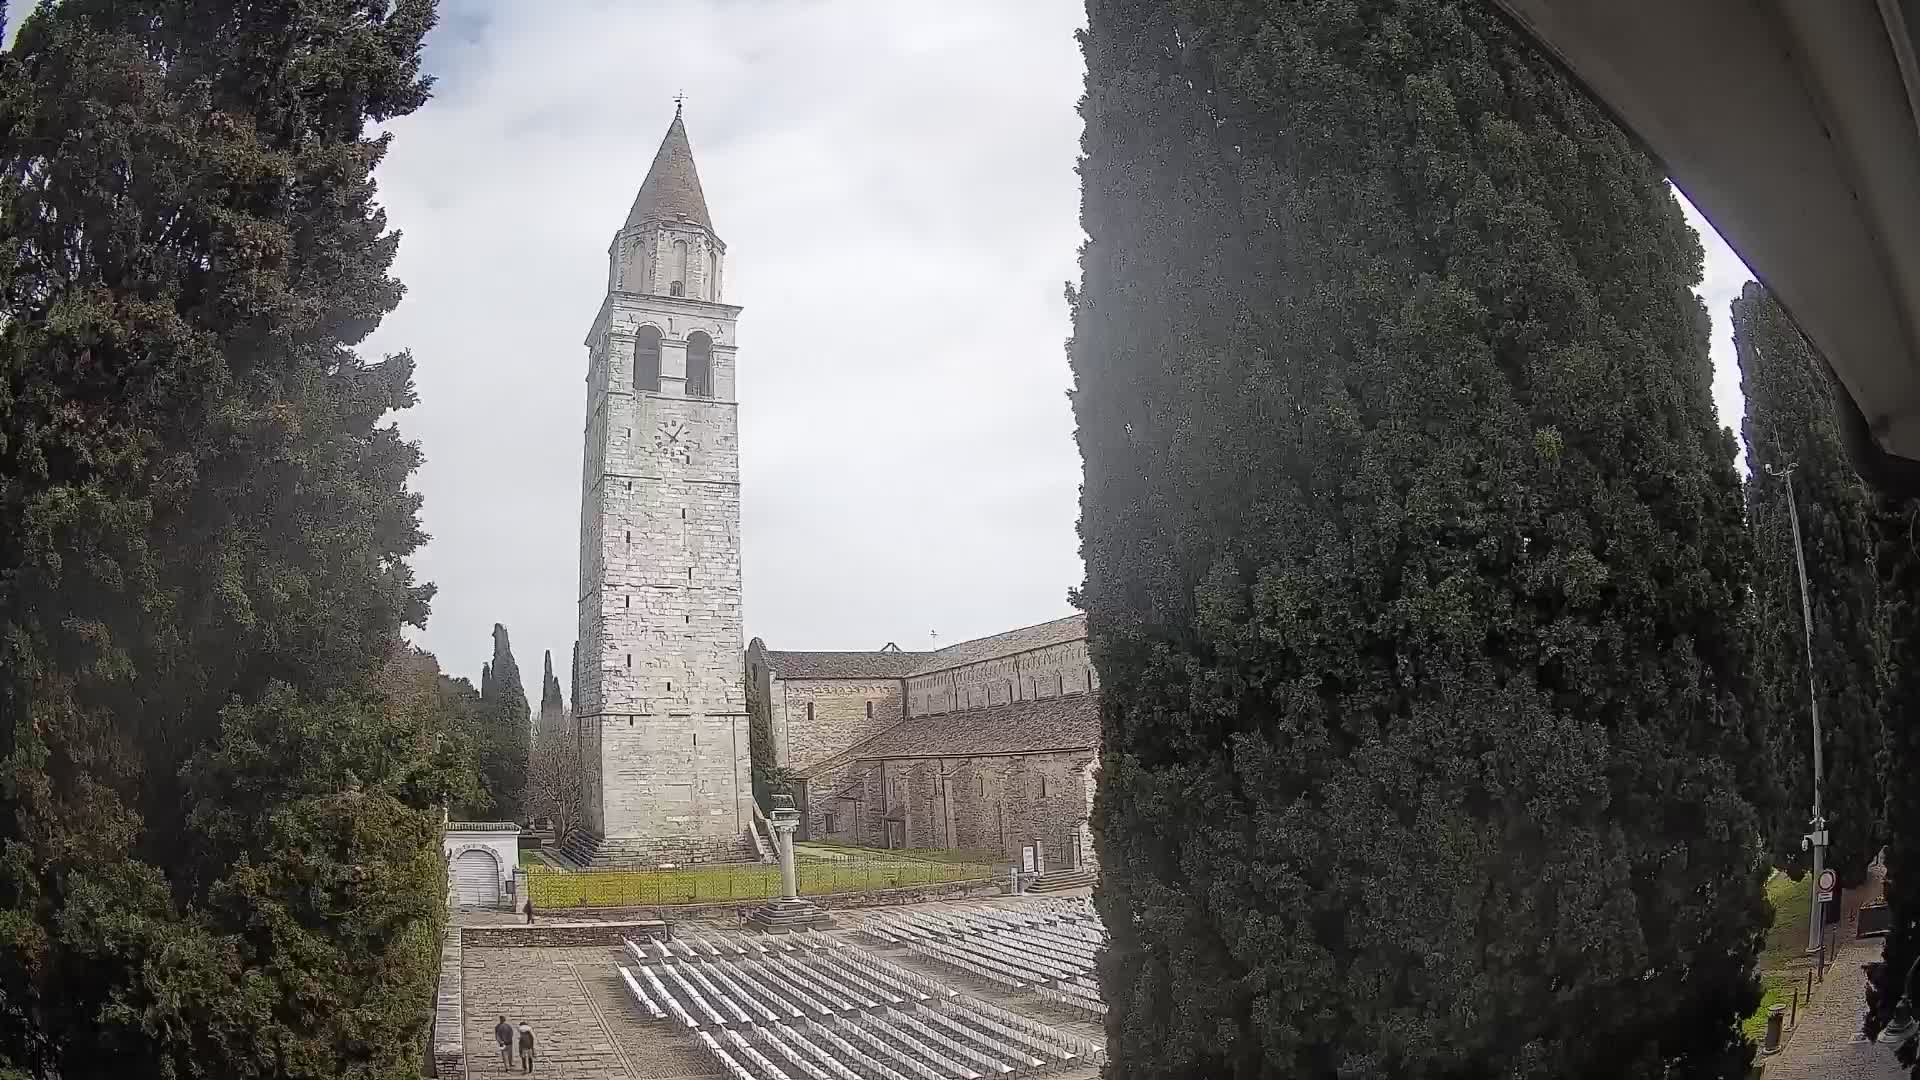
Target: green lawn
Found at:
935, 855
1776, 988
529, 857
1787, 941
738, 881
1783, 959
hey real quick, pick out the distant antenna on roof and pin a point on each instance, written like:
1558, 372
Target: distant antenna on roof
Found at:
889, 647
935, 635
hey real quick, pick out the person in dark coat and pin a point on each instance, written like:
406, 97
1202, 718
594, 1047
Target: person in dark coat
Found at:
503, 1034
526, 1047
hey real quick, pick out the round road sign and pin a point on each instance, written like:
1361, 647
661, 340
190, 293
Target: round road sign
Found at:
1827, 881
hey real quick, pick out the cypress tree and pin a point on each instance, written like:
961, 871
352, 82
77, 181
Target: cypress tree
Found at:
1791, 421
218, 849
1896, 526
573, 690
504, 759
551, 704
1416, 561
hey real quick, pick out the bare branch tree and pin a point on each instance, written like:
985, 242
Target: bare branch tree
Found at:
554, 790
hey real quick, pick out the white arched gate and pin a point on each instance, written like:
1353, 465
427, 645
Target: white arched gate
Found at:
476, 878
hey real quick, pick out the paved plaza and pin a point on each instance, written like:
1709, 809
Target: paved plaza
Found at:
1827, 1045
589, 1025
586, 1025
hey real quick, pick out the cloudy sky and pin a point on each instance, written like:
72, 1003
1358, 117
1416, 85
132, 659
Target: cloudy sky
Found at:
895, 183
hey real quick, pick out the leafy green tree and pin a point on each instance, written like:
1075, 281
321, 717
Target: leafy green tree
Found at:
465, 722
1416, 562
218, 836
508, 741
1791, 422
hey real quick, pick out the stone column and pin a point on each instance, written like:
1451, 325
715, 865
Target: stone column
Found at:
789, 912
783, 829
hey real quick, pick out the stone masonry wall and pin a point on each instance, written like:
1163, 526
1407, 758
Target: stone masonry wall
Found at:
848, 825
1037, 673
449, 1036
663, 702
641, 260
560, 934
996, 803
843, 712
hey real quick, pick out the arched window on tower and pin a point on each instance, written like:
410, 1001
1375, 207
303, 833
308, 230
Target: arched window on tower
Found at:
713, 276
699, 365
646, 360
678, 286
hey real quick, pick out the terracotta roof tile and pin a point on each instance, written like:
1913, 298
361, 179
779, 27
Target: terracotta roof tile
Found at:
1025, 639
1069, 722
843, 665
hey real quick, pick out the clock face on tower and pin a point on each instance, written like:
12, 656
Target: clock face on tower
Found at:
674, 440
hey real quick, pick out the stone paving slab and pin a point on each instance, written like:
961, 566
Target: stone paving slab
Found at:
1826, 1044
586, 1024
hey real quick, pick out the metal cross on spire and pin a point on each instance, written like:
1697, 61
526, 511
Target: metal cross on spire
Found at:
678, 100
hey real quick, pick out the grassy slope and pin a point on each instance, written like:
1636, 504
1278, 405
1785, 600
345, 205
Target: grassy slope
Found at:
1783, 961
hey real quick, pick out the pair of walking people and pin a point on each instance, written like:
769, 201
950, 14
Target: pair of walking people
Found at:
506, 1035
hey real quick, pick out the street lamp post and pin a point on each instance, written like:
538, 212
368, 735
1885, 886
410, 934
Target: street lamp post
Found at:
1816, 840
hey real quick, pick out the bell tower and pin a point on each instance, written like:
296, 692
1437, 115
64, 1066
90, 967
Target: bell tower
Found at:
662, 712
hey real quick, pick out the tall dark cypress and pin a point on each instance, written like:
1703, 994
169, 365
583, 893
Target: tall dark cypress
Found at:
1896, 525
1791, 422
504, 757
573, 691
551, 703
1416, 561
219, 847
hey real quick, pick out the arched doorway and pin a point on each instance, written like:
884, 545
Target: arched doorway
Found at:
476, 878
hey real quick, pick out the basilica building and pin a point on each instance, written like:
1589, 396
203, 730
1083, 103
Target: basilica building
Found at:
985, 745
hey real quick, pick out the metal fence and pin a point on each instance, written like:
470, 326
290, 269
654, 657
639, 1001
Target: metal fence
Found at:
720, 882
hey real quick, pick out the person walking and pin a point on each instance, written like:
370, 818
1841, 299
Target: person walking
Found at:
503, 1034
526, 1047
529, 909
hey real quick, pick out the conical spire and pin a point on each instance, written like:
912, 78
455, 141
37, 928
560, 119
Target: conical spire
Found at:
672, 188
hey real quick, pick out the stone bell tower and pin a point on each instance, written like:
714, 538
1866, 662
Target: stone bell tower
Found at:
662, 711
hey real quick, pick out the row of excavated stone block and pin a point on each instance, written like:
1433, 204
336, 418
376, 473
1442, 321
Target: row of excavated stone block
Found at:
1019, 946
855, 1024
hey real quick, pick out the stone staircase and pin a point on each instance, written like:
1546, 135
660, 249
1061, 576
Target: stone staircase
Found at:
1062, 880
761, 835
582, 850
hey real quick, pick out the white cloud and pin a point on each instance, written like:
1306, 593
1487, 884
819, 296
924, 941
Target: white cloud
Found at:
896, 186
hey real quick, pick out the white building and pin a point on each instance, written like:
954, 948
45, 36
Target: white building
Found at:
481, 858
